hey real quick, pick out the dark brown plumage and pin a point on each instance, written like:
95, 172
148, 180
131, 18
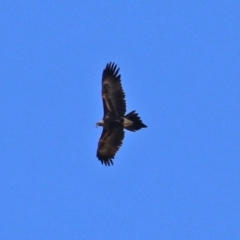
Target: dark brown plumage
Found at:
114, 119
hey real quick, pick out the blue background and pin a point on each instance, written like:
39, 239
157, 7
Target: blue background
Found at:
177, 179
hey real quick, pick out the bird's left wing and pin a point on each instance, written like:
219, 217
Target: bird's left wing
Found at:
112, 92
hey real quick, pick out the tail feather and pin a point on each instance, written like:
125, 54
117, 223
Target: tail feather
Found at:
133, 122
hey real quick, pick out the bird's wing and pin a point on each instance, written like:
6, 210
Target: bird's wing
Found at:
109, 143
112, 92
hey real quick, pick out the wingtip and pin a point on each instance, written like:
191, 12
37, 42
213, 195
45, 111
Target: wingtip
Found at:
108, 162
111, 65
111, 69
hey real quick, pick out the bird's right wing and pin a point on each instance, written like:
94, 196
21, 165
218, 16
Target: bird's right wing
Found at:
109, 143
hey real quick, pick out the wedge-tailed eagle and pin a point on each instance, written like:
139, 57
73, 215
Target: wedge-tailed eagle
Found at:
114, 119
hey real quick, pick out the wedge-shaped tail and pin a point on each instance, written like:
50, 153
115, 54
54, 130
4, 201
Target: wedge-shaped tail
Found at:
133, 122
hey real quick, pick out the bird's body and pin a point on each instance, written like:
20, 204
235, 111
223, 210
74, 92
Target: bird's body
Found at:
114, 119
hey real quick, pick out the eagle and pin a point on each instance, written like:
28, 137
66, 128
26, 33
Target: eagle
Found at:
114, 119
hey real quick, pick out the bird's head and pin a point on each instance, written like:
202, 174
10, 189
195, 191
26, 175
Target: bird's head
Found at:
100, 123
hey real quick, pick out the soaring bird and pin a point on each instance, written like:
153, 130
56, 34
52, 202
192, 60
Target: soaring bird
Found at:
114, 119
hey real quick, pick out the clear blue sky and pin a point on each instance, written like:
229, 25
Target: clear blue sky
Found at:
177, 179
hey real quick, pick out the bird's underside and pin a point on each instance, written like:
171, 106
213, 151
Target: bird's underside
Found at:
114, 119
